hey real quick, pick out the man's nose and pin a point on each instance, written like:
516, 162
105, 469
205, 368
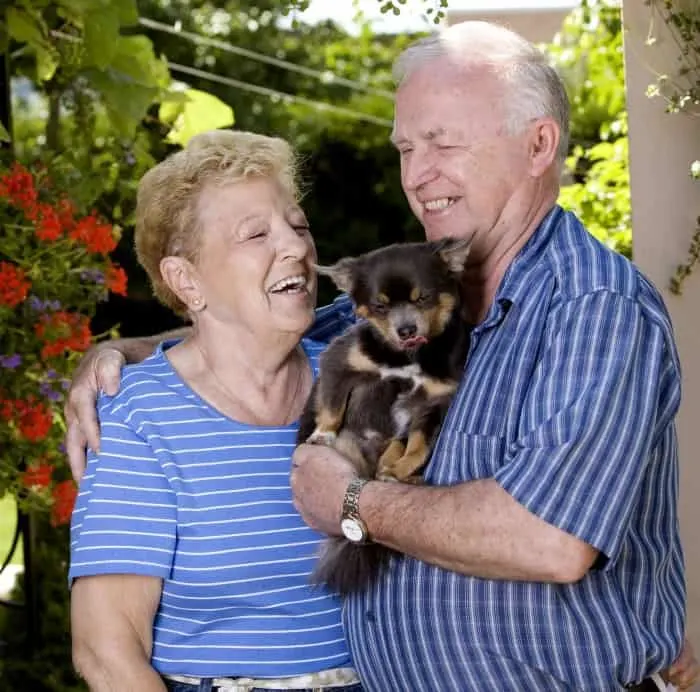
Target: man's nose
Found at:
417, 169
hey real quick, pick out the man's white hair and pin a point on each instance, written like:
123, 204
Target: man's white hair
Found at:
532, 87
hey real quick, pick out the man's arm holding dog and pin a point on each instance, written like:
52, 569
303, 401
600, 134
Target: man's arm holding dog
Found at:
475, 528
589, 420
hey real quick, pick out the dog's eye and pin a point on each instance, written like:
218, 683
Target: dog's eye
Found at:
379, 308
423, 299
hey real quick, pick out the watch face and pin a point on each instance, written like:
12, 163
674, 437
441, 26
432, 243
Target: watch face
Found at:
352, 530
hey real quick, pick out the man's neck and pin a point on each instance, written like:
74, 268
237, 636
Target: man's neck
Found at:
485, 270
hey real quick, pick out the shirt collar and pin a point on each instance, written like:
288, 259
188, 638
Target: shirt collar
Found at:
517, 280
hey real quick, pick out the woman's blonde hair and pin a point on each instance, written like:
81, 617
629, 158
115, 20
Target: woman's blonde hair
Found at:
166, 203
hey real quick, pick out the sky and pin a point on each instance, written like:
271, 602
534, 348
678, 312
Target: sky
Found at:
410, 18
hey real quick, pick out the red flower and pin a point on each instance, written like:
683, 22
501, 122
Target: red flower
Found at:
38, 475
33, 418
63, 331
116, 279
66, 214
13, 284
64, 495
48, 223
94, 234
18, 187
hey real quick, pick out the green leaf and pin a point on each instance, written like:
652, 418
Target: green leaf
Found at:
125, 100
127, 11
100, 37
26, 26
46, 64
133, 80
199, 113
4, 134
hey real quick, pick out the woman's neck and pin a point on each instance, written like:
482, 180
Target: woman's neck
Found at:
253, 378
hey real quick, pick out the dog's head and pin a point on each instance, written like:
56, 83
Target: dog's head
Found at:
408, 292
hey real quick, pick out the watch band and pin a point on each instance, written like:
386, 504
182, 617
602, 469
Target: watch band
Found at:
351, 501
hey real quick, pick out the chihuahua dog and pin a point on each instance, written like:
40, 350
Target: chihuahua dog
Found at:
385, 385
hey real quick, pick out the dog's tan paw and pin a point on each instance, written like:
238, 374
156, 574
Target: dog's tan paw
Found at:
322, 437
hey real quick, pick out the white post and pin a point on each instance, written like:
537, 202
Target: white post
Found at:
665, 206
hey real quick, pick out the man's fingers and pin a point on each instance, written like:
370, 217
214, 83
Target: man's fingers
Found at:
108, 367
75, 449
86, 414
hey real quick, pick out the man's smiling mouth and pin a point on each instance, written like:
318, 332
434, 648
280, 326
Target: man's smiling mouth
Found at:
439, 204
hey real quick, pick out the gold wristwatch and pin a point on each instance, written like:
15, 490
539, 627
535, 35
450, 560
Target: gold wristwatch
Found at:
353, 528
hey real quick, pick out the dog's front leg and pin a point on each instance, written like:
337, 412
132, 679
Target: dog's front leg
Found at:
331, 402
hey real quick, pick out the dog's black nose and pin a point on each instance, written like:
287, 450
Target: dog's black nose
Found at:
406, 331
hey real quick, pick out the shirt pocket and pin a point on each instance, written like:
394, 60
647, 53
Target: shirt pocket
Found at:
460, 457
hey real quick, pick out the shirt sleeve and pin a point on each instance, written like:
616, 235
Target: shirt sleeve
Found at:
124, 521
604, 393
332, 320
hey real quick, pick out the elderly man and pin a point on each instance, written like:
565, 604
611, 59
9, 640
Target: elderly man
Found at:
543, 552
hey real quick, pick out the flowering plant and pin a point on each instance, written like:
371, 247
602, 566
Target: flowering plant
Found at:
54, 270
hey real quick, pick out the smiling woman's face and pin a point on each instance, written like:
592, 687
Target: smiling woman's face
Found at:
256, 257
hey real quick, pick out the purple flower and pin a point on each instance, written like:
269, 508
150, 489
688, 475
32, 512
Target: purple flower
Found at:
11, 362
39, 305
94, 275
51, 374
46, 390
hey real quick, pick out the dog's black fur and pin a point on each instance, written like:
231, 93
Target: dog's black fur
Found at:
386, 384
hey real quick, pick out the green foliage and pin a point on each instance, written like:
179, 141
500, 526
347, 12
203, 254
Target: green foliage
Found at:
197, 111
588, 53
69, 40
602, 199
681, 91
49, 668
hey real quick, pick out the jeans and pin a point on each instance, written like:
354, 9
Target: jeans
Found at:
206, 686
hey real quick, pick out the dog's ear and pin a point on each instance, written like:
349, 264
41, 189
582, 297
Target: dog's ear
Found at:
453, 252
342, 273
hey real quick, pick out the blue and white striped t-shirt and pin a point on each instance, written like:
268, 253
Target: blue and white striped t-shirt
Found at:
180, 491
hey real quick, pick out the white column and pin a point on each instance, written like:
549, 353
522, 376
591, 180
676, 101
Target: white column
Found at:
665, 205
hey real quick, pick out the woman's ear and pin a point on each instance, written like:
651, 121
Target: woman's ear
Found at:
181, 278
543, 145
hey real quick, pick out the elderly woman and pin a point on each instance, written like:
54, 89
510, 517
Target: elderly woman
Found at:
189, 564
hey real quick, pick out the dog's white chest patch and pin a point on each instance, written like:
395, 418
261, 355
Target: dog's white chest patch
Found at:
406, 372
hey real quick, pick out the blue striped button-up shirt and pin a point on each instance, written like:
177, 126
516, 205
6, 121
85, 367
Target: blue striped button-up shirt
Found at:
568, 402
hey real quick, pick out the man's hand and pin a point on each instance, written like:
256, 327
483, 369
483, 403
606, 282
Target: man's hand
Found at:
685, 670
99, 369
320, 476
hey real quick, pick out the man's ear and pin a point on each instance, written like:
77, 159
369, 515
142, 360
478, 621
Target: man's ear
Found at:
453, 252
543, 145
180, 276
342, 273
